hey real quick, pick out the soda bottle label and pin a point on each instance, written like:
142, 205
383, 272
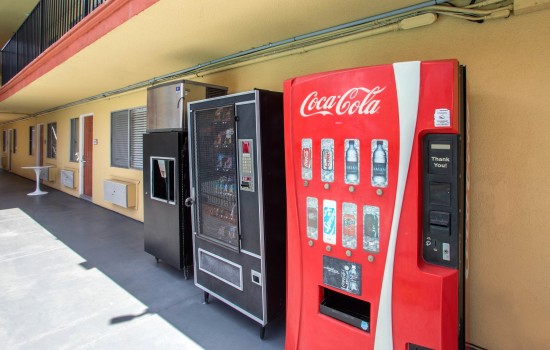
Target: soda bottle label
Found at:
342, 274
351, 161
329, 221
306, 159
327, 160
349, 225
379, 149
371, 229
312, 218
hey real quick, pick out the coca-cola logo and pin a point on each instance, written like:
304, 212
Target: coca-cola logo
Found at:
357, 100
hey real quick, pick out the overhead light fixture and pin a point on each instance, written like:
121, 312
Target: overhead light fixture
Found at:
418, 21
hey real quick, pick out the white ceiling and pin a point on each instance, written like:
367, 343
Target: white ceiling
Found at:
176, 34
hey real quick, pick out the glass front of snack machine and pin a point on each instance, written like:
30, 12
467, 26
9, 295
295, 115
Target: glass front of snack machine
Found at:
216, 157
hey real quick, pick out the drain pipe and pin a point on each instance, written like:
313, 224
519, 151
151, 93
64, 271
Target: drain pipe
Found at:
408, 23
329, 30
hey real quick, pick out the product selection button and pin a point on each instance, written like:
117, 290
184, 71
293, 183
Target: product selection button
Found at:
440, 194
440, 218
439, 232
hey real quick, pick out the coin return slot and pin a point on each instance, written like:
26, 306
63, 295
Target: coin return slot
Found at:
440, 194
256, 277
346, 309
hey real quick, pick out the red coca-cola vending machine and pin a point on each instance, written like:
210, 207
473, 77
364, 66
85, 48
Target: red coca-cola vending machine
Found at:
376, 198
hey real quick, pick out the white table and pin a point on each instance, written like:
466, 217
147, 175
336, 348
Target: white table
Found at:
37, 171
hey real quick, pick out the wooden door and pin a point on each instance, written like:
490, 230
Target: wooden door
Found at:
10, 148
40, 146
87, 158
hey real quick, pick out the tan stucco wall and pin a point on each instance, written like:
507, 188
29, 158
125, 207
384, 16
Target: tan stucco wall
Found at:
102, 170
508, 75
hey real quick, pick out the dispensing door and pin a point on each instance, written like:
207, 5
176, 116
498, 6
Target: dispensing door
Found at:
163, 175
216, 176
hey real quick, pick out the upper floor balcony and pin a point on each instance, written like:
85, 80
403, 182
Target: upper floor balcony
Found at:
47, 22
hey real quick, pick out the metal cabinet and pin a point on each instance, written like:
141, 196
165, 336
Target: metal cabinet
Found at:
67, 178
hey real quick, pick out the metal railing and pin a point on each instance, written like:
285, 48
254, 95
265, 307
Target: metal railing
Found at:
47, 22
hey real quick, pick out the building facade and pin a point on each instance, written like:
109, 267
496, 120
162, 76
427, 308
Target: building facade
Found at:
507, 73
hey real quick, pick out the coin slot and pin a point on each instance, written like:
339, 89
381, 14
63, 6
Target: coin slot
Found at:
440, 194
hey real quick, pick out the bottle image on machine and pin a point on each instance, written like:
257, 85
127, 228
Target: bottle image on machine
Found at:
349, 225
371, 229
329, 221
306, 159
352, 161
379, 163
327, 160
312, 218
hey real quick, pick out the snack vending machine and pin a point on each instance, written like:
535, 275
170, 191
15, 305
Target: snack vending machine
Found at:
238, 201
376, 207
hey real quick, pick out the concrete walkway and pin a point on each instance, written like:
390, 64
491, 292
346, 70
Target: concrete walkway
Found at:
74, 276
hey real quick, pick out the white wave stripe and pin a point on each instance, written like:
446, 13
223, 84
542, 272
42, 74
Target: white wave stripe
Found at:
407, 80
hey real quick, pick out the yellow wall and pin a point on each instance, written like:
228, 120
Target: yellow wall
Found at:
508, 74
101, 111
102, 169
21, 157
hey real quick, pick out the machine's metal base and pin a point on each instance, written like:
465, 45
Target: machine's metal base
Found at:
186, 270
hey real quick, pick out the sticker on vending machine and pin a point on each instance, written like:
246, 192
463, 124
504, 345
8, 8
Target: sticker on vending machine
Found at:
442, 117
312, 218
306, 159
371, 229
329, 221
351, 161
349, 225
327, 160
342, 274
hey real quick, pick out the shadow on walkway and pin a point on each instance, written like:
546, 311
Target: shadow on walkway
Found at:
81, 279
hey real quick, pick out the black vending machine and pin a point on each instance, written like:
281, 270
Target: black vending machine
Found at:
167, 221
238, 201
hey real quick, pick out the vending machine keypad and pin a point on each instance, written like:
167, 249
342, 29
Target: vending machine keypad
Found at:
246, 165
440, 244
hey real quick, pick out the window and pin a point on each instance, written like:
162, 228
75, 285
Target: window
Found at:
127, 129
74, 147
51, 141
31, 140
138, 126
4, 141
120, 139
